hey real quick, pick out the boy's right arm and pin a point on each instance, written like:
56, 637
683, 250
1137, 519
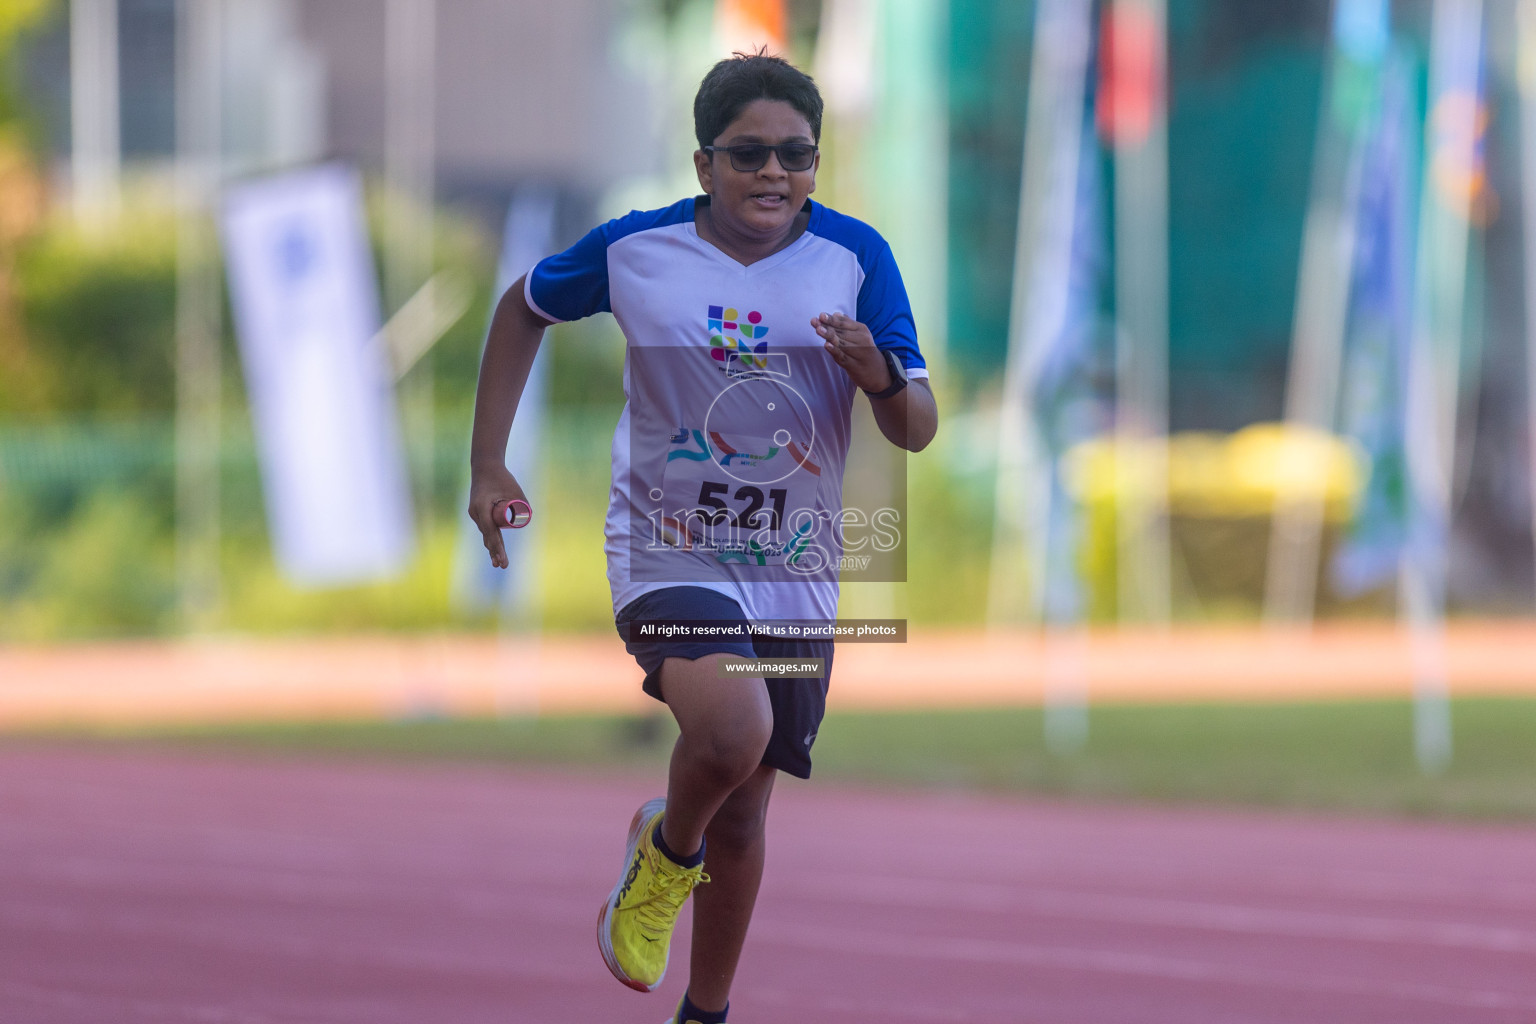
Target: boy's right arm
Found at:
510, 346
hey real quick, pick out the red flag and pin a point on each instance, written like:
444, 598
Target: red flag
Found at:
1130, 74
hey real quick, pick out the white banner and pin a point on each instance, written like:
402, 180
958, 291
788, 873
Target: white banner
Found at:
306, 312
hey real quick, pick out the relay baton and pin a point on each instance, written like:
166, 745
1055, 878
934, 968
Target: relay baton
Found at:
513, 514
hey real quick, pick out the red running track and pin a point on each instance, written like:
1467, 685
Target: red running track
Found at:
158, 887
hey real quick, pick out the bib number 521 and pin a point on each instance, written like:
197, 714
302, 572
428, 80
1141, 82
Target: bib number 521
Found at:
713, 495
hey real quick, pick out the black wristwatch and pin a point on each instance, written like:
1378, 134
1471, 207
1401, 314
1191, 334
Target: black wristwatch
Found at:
898, 375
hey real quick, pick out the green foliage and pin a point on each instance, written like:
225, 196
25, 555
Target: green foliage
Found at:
465, 253
577, 469
86, 548
587, 367
87, 537
87, 388
98, 318
107, 570
17, 17
259, 600
950, 508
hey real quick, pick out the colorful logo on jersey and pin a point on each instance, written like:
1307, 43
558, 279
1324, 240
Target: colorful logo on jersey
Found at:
733, 337
691, 445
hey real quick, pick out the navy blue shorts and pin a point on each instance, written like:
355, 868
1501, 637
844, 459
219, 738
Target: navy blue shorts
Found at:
798, 703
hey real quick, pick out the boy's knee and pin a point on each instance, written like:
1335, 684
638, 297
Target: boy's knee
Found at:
730, 753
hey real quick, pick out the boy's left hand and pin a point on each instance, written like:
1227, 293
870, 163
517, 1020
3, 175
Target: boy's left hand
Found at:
852, 347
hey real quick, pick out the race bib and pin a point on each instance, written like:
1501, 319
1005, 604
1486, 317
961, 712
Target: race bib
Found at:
748, 500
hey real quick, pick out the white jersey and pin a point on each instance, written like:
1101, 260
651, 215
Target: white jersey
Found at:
728, 458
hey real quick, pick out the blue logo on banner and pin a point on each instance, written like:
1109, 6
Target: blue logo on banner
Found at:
295, 252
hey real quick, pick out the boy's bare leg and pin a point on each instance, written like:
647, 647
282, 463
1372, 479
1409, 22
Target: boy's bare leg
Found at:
724, 724
722, 910
718, 789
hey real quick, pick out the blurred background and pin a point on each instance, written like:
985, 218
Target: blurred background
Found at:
1227, 308
1225, 301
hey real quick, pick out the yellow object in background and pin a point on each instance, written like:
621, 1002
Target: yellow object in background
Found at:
1234, 475
1222, 491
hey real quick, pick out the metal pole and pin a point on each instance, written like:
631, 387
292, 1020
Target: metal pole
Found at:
1526, 62
410, 42
1434, 371
95, 144
1317, 341
1052, 142
199, 311
1023, 518
1141, 301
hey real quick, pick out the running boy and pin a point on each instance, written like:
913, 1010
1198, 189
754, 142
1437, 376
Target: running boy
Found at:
751, 316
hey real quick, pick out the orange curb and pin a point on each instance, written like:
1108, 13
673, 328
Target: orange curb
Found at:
205, 680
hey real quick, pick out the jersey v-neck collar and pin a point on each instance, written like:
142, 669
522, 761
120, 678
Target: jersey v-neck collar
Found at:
767, 262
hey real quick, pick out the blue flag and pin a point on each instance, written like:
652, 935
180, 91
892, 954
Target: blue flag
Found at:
1373, 407
1064, 402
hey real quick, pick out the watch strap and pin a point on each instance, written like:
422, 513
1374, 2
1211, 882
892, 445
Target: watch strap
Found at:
898, 376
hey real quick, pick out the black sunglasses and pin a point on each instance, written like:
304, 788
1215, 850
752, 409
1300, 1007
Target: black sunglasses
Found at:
752, 156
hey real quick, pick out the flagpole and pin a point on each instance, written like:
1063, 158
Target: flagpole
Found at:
1525, 14
410, 44
1322, 308
199, 309
1434, 368
95, 139
1020, 536
1141, 309
1023, 537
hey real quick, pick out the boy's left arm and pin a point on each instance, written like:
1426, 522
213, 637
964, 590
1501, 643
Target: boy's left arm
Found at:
910, 417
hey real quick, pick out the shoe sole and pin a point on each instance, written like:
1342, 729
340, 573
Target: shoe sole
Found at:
647, 811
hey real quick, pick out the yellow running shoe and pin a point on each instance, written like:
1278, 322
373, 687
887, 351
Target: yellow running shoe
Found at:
634, 930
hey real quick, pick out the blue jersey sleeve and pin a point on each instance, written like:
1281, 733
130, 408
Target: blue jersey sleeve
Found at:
572, 284
884, 308
882, 304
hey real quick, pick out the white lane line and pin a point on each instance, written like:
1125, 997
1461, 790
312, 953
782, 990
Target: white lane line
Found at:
1019, 954
981, 897
1500, 893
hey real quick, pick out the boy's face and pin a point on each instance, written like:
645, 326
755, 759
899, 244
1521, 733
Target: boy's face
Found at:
761, 203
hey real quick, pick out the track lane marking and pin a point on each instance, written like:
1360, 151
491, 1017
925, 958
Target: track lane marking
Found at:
848, 941
989, 898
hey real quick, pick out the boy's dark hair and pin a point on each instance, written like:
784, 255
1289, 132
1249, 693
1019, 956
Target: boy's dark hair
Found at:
738, 80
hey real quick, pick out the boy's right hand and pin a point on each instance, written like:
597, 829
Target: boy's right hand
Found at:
488, 487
